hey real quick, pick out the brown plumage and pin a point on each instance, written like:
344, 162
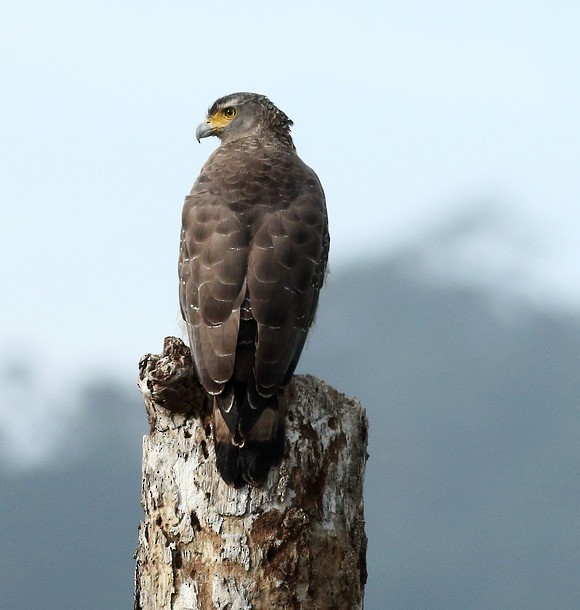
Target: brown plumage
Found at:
253, 252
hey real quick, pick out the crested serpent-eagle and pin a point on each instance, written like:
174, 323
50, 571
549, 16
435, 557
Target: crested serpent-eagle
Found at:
253, 252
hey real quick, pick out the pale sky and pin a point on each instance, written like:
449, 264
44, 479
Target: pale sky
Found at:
410, 112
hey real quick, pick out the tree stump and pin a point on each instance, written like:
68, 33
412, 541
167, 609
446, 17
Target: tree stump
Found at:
296, 542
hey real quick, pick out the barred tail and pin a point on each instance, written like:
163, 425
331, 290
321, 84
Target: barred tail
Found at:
248, 435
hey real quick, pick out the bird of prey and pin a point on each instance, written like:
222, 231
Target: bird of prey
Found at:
253, 252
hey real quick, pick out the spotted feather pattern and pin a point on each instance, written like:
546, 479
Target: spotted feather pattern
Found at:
253, 253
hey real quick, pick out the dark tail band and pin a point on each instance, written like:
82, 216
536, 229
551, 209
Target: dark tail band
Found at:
249, 440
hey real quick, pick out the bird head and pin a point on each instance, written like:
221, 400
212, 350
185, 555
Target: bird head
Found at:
240, 115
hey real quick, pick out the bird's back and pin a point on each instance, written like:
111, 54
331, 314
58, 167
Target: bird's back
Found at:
252, 260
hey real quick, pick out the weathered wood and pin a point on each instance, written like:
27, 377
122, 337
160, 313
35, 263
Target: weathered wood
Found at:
297, 542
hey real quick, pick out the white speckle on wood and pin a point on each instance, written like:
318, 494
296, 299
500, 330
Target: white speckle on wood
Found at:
297, 542
227, 596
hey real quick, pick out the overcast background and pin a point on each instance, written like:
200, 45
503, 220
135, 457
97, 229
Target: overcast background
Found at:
447, 137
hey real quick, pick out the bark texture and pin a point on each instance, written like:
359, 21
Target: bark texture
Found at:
297, 542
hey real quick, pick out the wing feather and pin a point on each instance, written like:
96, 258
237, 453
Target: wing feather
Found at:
213, 261
287, 256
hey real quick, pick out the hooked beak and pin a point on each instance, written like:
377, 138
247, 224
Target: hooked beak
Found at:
204, 130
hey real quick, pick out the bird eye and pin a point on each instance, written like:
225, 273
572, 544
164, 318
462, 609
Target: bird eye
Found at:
230, 113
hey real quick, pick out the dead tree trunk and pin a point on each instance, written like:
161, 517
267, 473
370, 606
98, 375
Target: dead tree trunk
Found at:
297, 542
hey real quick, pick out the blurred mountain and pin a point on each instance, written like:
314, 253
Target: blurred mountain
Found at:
472, 488
69, 529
